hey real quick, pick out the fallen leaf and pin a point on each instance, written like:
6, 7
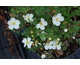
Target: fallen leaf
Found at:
59, 52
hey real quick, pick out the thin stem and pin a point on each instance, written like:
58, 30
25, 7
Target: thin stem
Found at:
22, 27
72, 25
53, 27
75, 18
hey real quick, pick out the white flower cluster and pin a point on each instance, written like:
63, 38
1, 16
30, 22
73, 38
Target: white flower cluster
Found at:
13, 23
53, 45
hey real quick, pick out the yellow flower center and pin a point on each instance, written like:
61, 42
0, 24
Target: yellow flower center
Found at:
28, 18
13, 23
48, 44
57, 19
56, 44
27, 42
40, 23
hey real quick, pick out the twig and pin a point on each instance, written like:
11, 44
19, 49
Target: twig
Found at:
53, 27
75, 18
72, 25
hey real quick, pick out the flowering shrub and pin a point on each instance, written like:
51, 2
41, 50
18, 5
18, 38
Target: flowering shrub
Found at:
48, 30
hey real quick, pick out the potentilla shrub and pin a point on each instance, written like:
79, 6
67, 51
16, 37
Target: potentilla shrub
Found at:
47, 29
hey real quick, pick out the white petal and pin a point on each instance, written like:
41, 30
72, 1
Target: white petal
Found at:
50, 47
58, 23
16, 26
25, 18
10, 27
46, 48
27, 15
29, 45
9, 22
43, 43
59, 14
17, 22
13, 19
61, 18
29, 39
31, 20
24, 44
38, 26
54, 42
31, 15
51, 42
54, 21
58, 47
54, 47
24, 40
53, 17
42, 27
31, 42
36, 44
42, 19
44, 23
39, 43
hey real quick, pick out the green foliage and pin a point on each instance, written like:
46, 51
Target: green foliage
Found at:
78, 40
51, 31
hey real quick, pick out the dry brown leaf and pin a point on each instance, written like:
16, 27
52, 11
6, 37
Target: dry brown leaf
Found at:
59, 52
57, 55
9, 39
10, 35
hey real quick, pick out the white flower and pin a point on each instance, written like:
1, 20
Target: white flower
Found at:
37, 43
56, 45
13, 23
28, 17
56, 19
44, 37
73, 37
65, 30
47, 46
27, 42
43, 56
42, 24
